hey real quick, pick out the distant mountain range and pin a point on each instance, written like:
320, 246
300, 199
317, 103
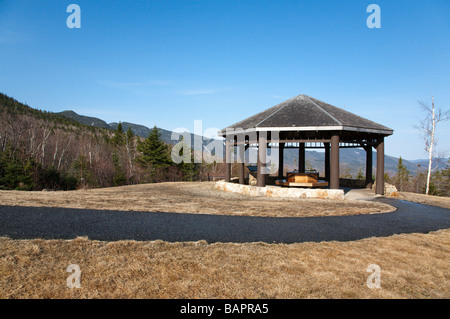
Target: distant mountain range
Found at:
139, 130
86, 120
351, 159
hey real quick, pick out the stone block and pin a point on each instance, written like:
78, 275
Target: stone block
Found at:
280, 192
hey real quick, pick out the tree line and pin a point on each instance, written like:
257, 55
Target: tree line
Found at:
436, 183
407, 181
42, 150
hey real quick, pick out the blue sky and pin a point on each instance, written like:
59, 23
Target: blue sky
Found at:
168, 63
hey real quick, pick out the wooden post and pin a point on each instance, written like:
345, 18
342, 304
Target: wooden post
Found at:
227, 159
301, 158
262, 148
369, 164
327, 162
241, 158
280, 160
241, 173
380, 167
334, 162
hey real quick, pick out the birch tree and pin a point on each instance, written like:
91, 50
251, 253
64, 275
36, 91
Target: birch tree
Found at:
130, 145
428, 128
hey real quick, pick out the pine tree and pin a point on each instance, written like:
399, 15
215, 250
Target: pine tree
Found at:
119, 136
188, 169
446, 176
440, 182
360, 175
154, 153
402, 174
16, 174
83, 171
129, 136
119, 177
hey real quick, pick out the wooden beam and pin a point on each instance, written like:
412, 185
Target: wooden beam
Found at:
262, 148
288, 141
369, 164
281, 160
320, 140
301, 158
327, 162
227, 160
241, 163
334, 162
380, 167
241, 173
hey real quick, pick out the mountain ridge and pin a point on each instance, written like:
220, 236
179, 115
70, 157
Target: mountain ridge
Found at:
137, 129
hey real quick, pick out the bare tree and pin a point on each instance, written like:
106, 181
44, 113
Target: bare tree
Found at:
130, 145
428, 128
16, 129
3, 132
66, 141
45, 135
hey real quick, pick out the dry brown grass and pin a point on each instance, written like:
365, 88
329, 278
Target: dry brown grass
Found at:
185, 197
412, 266
426, 199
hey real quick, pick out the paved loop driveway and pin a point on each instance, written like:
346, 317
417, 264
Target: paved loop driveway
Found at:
66, 223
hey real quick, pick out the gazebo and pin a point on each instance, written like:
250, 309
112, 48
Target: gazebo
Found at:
304, 122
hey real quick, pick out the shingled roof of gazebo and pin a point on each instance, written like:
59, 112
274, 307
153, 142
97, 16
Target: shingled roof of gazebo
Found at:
305, 113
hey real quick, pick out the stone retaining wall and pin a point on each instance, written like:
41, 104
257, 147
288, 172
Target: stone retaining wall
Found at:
280, 192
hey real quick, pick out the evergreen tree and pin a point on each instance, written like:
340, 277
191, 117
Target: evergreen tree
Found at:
16, 174
360, 175
440, 182
155, 154
129, 136
402, 175
446, 177
119, 177
188, 170
83, 171
119, 136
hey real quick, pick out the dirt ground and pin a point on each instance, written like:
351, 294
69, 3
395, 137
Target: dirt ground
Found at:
187, 197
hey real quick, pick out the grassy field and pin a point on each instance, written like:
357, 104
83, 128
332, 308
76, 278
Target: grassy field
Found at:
411, 265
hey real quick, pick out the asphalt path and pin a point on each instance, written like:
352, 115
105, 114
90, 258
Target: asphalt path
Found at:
67, 223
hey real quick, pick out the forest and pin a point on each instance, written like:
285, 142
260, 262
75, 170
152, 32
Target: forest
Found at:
43, 150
